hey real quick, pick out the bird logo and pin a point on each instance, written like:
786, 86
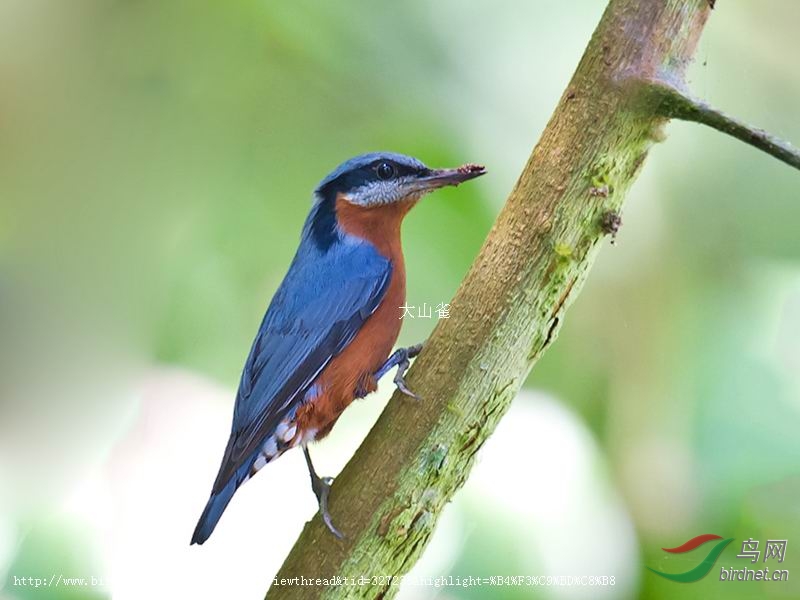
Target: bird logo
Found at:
704, 568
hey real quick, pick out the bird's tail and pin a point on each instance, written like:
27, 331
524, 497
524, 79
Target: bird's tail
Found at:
213, 511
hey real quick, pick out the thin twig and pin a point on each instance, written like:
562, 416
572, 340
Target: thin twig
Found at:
677, 104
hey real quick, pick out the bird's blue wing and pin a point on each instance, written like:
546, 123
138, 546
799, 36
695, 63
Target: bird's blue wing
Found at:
318, 309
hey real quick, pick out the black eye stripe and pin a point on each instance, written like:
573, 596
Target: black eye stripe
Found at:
399, 170
348, 180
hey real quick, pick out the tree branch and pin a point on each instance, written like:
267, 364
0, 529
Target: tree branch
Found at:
509, 307
678, 104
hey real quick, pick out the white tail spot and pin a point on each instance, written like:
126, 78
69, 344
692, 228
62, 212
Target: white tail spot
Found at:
289, 434
270, 447
281, 429
260, 462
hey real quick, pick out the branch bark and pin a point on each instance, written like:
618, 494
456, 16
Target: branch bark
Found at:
509, 308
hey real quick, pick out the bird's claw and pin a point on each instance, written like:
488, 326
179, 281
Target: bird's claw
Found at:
322, 490
402, 360
326, 517
400, 381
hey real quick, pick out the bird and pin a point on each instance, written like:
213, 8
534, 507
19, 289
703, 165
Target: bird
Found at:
328, 331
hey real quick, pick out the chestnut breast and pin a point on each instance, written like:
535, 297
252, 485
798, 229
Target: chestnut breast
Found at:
354, 367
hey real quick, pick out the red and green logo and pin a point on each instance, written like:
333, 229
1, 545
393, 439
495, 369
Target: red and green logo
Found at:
704, 567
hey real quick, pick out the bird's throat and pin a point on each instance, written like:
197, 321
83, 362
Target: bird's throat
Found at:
378, 225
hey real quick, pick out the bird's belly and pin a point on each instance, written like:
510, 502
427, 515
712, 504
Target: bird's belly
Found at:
353, 369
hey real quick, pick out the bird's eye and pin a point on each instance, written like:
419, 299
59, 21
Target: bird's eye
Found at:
384, 171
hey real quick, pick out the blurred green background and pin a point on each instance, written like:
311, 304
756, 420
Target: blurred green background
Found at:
156, 164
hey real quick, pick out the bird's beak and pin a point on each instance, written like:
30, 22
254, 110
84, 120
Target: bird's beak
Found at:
437, 178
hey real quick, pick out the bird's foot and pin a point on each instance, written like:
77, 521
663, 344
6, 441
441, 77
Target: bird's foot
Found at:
401, 358
322, 489
400, 381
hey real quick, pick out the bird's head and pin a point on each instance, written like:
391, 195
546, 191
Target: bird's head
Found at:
384, 178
